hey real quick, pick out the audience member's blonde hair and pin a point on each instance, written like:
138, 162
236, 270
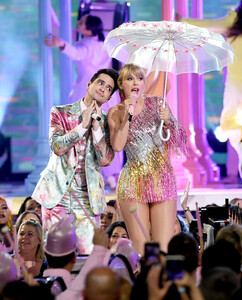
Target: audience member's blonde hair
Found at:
38, 228
10, 220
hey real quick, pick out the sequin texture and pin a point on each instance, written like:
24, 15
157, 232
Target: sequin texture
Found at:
148, 176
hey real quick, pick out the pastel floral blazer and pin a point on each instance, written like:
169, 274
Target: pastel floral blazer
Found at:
64, 142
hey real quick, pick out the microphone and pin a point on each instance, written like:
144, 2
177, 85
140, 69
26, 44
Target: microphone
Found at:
131, 112
96, 116
131, 107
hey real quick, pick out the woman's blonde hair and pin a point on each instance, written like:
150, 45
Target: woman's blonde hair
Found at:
10, 220
125, 72
38, 228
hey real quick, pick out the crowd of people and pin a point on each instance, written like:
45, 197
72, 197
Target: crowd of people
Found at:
114, 269
134, 247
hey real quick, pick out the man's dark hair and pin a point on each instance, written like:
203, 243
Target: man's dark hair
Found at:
186, 245
112, 203
59, 262
112, 226
95, 24
110, 72
221, 254
220, 283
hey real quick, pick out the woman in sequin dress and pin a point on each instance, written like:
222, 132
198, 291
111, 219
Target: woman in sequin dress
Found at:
147, 179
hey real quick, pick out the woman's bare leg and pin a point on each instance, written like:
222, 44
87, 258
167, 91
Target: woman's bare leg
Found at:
162, 219
135, 233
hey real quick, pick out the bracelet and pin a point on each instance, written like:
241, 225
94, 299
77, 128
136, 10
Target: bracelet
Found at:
187, 209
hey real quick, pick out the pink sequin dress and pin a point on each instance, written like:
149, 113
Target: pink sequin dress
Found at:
148, 176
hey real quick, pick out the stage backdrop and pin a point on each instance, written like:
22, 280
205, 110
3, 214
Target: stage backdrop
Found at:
19, 65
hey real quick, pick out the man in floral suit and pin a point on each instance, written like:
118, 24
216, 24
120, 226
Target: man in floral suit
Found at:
80, 146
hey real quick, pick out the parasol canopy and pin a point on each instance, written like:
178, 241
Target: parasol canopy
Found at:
176, 47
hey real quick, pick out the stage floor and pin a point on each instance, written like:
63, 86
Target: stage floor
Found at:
212, 193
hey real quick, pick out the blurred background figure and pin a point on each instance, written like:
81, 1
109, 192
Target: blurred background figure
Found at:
87, 54
231, 27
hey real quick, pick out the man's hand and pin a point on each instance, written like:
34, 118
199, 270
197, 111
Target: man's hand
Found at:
97, 110
100, 238
29, 279
87, 116
154, 291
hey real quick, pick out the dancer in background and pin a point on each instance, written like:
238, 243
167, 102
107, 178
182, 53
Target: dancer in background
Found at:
231, 27
80, 145
88, 56
147, 179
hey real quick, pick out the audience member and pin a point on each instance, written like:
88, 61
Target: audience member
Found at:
236, 201
186, 245
180, 225
184, 204
99, 256
60, 249
102, 284
221, 254
29, 204
233, 234
26, 215
124, 259
30, 242
19, 290
111, 215
179, 289
235, 211
8, 269
6, 219
115, 231
220, 283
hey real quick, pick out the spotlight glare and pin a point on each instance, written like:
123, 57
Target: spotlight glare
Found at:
220, 134
239, 117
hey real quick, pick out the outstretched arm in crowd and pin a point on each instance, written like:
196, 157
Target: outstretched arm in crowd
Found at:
99, 256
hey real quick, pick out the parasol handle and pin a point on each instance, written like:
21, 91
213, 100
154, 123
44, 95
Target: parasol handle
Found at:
160, 131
